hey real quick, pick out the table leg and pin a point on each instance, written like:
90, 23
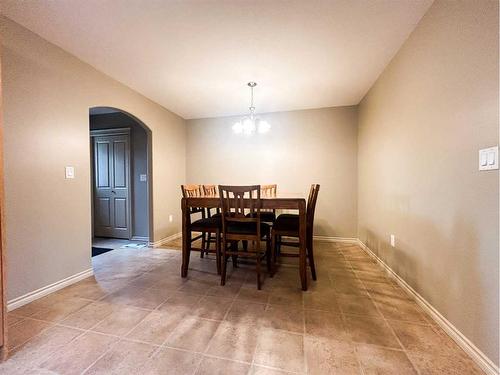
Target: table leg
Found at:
302, 245
186, 239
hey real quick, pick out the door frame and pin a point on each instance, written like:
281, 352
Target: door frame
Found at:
3, 279
111, 132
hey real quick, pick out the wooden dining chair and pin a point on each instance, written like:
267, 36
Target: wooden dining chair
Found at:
288, 225
204, 225
236, 226
268, 190
210, 191
267, 216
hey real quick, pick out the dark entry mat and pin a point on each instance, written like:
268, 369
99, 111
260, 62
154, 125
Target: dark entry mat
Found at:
99, 250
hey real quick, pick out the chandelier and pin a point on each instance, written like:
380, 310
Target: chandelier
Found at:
250, 124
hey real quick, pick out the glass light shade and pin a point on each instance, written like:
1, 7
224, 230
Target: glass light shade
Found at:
251, 124
263, 127
248, 126
238, 127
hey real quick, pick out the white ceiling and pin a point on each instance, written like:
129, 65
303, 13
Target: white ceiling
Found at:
195, 57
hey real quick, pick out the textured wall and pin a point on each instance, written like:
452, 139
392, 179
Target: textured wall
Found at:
47, 96
303, 147
420, 128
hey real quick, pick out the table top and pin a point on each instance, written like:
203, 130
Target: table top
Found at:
284, 200
277, 196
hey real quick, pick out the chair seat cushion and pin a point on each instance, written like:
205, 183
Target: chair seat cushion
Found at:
207, 223
267, 216
287, 223
247, 228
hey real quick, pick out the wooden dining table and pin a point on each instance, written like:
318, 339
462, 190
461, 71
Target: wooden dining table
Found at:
277, 202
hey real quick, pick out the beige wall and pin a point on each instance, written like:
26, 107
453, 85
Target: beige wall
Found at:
420, 128
47, 95
303, 147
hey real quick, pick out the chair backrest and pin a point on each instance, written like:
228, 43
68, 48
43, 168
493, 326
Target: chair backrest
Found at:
311, 207
210, 190
191, 191
268, 190
233, 205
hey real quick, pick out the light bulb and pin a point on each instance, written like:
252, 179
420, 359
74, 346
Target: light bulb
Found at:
238, 127
248, 126
263, 127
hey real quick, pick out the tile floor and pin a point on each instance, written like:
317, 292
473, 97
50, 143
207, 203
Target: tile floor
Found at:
136, 315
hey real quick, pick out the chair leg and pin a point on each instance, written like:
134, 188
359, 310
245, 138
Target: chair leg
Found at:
217, 251
274, 249
259, 285
202, 244
234, 247
209, 241
269, 257
310, 255
224, 264
259, 258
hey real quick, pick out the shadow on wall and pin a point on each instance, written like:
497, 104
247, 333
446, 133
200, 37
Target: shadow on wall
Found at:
323, 227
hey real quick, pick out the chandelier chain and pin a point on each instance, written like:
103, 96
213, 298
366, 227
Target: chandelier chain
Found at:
251, 124
252, 85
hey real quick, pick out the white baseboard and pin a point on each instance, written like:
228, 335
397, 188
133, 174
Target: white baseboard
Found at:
42, 292
165, 240
140, 238
336, 239
474, 353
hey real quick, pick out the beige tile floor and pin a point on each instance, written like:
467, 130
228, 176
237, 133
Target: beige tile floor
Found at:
136, 315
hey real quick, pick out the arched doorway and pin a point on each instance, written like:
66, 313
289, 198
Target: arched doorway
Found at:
121, 180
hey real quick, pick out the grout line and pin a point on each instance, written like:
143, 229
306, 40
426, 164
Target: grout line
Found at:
121, 338
387, 323
348, 253
356, 344
345, 322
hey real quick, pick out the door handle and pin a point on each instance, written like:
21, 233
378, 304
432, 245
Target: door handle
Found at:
114, 192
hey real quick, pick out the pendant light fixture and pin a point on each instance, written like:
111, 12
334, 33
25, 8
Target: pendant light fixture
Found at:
251, 123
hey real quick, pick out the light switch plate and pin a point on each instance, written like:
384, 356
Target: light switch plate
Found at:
488, 158
69, 172
393, 240
143, 178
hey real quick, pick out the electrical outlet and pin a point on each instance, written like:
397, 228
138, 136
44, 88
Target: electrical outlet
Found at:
393, 240
170, 218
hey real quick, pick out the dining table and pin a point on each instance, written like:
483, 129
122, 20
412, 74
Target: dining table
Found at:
280, 201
